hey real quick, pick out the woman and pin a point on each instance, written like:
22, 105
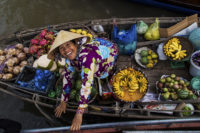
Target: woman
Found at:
94, 59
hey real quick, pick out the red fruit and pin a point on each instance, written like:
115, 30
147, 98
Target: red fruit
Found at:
43, 33
49, 36
34, 41
40, 52
43, 42
33, 49
50, 32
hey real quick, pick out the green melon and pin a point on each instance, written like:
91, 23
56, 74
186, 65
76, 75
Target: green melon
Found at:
183, 94
73, 94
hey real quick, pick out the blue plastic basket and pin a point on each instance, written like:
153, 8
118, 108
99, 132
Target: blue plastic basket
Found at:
26, 80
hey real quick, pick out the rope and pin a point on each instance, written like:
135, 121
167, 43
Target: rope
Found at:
35, 99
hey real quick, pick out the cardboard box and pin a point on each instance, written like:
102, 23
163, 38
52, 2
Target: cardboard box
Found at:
167, 32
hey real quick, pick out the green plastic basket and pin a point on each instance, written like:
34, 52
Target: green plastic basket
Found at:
195, 82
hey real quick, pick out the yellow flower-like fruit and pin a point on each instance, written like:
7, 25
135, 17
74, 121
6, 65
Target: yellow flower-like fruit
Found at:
72, 30
84, 32
79, 31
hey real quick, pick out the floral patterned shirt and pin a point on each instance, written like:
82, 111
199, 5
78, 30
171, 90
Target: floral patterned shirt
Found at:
95, 59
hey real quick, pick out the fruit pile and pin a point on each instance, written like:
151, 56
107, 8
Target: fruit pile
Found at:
129, 84
148, 58
41, 44
173, 87
12, 61
82, 32
173, 49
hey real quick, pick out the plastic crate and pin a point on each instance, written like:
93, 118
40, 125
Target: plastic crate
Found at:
27, 80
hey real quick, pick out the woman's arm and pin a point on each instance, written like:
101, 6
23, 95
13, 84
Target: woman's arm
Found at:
87, 75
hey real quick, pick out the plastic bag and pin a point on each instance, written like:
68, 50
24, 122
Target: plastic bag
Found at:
153, 31
125, 39
142, 27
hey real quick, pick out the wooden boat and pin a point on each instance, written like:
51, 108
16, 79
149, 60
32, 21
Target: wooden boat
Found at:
114, 108
171, 124
184, 6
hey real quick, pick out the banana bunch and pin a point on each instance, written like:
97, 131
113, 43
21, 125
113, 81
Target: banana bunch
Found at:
143, 84
118, 90
82, 32
129, 81
173, 49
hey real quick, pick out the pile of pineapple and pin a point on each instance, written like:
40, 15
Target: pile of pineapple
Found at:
129, 84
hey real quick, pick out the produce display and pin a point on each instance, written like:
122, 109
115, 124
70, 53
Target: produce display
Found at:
146, 57
12, 61
129, 85
41, 44
173, 49
172, 87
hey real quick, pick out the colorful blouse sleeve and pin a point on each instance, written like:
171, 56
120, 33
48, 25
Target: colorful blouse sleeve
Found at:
67, 81
87, 75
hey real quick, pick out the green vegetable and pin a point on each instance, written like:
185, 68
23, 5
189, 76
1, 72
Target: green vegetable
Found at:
52, 94
78, 97
73, 94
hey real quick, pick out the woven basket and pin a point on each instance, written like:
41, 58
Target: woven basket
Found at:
136, 96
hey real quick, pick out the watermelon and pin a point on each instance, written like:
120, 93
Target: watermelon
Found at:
192, 97
183, 94
78, 97
78, 84
73, 94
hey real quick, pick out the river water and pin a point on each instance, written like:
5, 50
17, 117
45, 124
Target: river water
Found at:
16, 15
23, 14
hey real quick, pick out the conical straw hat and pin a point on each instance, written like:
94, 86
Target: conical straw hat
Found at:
62, 37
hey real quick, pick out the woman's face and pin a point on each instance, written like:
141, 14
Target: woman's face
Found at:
68, 50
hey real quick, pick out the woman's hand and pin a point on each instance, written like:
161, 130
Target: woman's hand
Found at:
77, 121
60, 109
